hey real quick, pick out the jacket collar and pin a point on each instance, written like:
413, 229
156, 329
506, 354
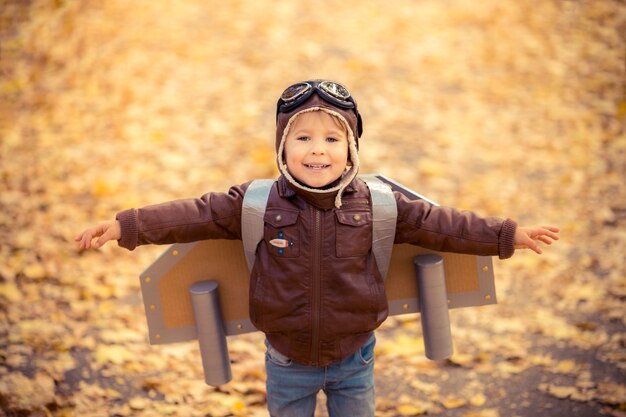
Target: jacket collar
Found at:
323, 201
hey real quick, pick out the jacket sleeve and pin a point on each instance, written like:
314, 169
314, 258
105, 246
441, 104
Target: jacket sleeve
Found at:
449, 230
212, 216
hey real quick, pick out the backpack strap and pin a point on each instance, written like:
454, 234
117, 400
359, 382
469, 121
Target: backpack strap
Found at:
384, 214
252, 214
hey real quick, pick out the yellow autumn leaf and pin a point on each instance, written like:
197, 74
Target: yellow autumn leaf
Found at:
566, 366
239, 408
453, 402
115, 354
35, 271
138, 403
10, 292
558, 391
410, 410
478, 400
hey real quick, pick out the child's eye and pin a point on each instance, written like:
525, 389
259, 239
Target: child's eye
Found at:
302, 138
331, 139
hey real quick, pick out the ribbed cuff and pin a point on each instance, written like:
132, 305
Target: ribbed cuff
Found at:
506, 245
128, 223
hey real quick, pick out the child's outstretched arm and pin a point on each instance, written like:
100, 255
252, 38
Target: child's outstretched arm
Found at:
105, 231
525, 237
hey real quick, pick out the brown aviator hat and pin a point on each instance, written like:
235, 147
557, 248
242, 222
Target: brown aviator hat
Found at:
332, 98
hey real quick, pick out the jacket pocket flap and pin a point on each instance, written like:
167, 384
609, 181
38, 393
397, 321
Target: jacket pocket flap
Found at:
280, 217
354, 218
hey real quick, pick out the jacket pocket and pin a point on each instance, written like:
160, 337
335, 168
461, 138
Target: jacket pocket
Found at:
281, 233
353, 233
277, 304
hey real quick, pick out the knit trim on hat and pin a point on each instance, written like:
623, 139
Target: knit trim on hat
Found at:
353, 154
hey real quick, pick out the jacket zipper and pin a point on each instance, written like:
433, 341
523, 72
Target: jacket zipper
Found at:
317, 291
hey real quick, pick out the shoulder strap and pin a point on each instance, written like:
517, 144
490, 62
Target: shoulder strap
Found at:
252, 214
384, 213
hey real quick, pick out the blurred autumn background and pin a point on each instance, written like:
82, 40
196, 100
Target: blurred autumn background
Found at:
508, 108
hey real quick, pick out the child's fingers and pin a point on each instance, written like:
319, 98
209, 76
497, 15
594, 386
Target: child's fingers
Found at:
529, 243
85, 243
546, 234
109, 232
550, 231
87, 236
534, 247
545, 240
103, 239
528, 238
80, 239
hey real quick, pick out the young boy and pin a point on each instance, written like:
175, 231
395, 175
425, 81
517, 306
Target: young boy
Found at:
315, 289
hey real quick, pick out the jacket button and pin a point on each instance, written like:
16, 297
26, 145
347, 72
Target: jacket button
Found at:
279, 218
357, 217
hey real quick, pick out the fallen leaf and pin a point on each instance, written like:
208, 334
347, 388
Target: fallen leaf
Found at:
453, 402
138, 403
558, 391
410, 410
10, 292
478, 400
115, 354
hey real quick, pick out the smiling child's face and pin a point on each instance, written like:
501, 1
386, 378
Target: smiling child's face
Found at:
316, 149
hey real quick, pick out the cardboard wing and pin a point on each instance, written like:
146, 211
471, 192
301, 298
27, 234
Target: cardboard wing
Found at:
166, 282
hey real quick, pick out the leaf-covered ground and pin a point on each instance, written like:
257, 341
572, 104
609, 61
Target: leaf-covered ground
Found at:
508, 108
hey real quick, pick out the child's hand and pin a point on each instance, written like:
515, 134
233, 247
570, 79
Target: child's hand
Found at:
105, 231
525, 237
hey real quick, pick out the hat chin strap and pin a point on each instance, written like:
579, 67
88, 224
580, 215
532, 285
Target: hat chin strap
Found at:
349, 174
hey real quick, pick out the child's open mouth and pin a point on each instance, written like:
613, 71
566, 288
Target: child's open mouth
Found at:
316, 166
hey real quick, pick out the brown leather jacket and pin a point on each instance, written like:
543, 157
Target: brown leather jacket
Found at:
319, 298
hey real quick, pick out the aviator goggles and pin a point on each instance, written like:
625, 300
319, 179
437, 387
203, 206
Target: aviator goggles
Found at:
330, 91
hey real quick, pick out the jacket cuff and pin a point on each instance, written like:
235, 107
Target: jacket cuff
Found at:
128, 224
506, 244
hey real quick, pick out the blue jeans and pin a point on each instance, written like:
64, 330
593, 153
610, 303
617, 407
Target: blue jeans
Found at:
348, 384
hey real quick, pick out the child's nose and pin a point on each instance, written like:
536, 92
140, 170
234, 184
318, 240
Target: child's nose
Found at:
318, 147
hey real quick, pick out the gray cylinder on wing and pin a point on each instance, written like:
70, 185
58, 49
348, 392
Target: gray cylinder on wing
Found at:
211, 336
433, 298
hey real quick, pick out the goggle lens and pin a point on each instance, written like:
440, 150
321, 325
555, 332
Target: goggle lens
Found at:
295, 91
335, 89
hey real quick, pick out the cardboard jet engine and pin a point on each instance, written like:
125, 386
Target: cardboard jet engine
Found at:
199, 291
